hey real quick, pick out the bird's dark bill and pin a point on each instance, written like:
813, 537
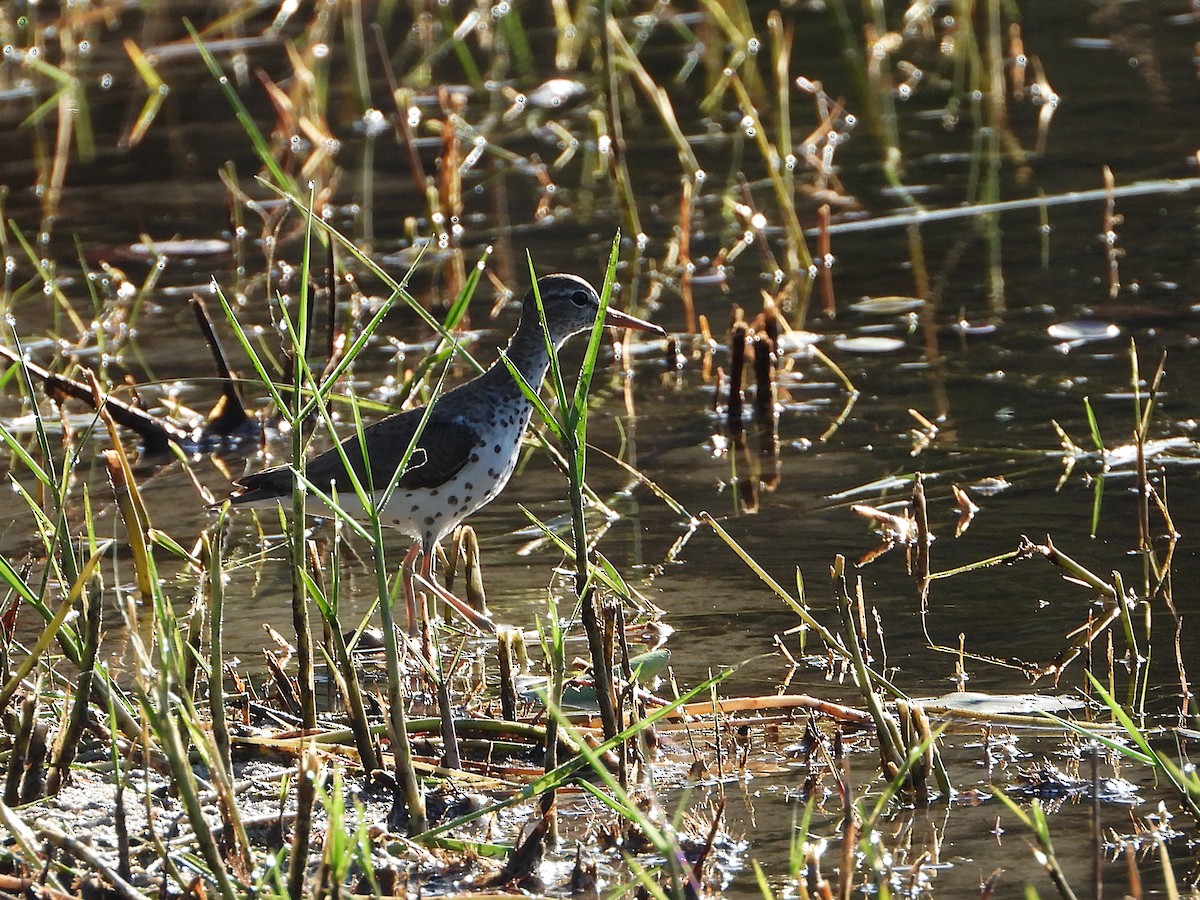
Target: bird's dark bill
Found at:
618, 319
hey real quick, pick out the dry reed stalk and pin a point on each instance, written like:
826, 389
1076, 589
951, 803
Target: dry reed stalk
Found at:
1112, 253
825, 261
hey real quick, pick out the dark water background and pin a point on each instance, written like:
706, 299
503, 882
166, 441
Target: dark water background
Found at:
1127, 80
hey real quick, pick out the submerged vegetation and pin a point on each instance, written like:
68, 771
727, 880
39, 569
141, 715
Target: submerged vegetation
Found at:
298, 176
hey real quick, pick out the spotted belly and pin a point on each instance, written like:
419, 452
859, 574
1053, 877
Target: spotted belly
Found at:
432, 513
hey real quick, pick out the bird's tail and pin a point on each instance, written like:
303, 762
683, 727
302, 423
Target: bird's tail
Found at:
262, 488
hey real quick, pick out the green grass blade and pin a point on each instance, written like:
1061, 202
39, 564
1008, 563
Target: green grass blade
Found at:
1093, 425
248, 348
556, 376
24, 458
532, 396
577, 413
262, 147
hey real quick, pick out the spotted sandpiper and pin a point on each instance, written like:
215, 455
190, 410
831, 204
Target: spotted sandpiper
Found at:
468, 448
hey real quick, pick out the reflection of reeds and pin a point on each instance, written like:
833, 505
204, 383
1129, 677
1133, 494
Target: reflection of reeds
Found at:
754, 347
738, 335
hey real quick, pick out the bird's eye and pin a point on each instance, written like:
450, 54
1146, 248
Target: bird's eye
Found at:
580, 298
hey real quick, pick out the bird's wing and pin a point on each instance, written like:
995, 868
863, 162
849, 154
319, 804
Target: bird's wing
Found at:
443, 449
445, 446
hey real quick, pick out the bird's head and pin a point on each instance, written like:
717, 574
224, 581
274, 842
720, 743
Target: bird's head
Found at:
571, 305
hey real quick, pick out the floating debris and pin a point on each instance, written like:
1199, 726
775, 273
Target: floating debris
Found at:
894, 530
989, 487
1083, 331
972, 329
868, 344
967, 508
795, 341
190, 247
887, 306
983, 705
557, 93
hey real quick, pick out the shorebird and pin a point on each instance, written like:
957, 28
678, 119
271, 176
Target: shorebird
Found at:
467, 450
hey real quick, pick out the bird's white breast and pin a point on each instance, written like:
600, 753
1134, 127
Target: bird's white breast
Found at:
435, 512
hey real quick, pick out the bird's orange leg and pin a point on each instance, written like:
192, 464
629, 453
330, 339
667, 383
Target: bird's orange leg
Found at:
408, 569
481, 622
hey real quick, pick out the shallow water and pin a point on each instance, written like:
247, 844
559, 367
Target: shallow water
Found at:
1127, 81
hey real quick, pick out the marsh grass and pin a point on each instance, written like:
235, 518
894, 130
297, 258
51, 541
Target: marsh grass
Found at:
568, 424
181, 708
168, 646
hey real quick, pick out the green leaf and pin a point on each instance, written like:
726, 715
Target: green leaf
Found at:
24, 458
1093, 425
531, 395
578, 411
556, 377
255, 361
261, 146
